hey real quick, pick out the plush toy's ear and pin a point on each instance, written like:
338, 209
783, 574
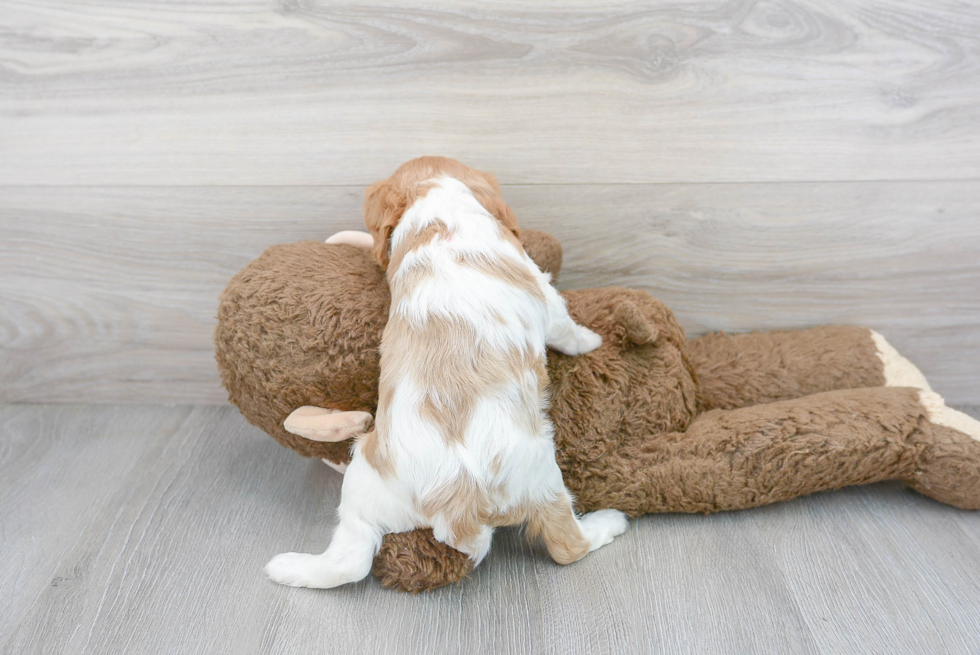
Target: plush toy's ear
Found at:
322, 424
544, 249
353, 238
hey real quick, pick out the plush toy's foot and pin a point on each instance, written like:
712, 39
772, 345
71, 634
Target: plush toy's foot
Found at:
898, 371
940, 414
949, 465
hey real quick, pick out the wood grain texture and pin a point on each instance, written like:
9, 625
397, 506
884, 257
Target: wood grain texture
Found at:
109, 294
260, 92
118, 543
60, 468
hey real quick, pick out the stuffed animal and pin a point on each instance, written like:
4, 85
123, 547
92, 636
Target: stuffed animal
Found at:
649, 422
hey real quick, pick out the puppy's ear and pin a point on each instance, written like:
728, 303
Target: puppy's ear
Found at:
384, 205
488, 193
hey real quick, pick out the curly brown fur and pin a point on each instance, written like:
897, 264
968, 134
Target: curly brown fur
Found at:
415, 561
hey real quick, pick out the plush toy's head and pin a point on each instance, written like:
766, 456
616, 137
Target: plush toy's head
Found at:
387, 200
301, 325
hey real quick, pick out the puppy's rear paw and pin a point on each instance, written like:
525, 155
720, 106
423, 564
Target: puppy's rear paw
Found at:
293, 569
601, 527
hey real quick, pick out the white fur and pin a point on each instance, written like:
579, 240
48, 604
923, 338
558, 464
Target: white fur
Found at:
940, 414
898, 371
371, 505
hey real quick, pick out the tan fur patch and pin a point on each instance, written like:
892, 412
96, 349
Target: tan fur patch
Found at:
434, 230
467, 508
376, 454
463, 505
504, 269
410, 278
555, 524
445, 359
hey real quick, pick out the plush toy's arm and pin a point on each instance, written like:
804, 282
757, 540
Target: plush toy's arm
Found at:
761, 367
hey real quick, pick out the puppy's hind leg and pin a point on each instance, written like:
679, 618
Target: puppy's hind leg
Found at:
348, 559
569, 539
366, 504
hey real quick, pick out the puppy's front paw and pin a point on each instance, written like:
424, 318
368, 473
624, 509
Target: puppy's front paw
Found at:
601, 527
586, 340
293, 569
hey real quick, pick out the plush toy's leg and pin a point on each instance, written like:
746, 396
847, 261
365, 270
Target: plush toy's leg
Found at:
897, 370
733, 459
762, 367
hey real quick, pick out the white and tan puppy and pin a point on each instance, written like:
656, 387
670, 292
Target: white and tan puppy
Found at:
462, 441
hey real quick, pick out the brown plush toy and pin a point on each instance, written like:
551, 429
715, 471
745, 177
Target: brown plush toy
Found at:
649, 422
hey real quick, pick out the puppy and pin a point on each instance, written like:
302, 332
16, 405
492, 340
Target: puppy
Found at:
462, 441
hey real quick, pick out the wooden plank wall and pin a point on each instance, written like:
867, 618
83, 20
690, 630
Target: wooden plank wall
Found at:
754, 164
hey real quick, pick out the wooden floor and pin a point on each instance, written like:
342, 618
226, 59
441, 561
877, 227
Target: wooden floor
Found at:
144, 529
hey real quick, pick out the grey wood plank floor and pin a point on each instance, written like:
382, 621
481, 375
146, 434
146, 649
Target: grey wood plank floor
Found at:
143, 529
